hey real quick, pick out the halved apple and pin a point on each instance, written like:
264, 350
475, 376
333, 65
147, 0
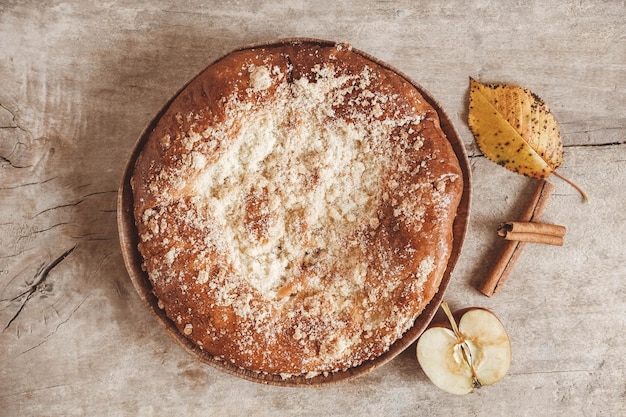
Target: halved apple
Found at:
475, 353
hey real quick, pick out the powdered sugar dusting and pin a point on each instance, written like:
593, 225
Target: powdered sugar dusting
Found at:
304, 172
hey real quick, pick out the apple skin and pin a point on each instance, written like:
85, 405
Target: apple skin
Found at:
484, 338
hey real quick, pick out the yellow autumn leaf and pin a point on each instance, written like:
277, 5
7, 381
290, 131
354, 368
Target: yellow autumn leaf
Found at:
514, 128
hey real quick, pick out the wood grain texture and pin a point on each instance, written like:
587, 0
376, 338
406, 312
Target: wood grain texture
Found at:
80, 80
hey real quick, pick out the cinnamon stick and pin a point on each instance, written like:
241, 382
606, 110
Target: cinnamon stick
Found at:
550, 234
534, 238
531, 227
513, 248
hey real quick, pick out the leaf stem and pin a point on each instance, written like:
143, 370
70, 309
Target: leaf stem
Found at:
573, 184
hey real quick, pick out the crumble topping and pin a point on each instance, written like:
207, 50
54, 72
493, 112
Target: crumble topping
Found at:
299, 220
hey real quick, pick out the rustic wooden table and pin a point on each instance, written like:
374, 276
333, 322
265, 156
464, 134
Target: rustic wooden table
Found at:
79, 81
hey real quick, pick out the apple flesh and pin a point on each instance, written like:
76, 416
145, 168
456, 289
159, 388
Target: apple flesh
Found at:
475, 353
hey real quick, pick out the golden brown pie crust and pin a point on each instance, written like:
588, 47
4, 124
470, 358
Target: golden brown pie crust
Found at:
295, 206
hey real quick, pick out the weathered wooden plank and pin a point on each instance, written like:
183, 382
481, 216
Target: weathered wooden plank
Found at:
80, 81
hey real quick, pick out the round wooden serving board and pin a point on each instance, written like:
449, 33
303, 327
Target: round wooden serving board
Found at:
129, 239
